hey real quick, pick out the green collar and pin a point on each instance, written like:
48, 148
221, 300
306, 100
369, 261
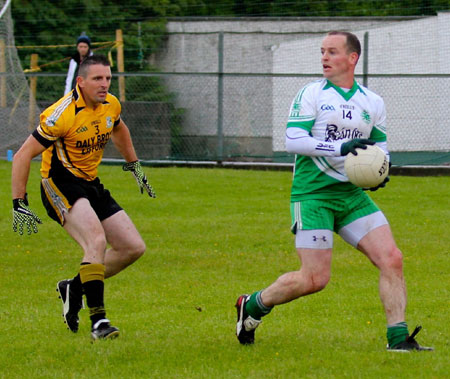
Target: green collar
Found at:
346, 95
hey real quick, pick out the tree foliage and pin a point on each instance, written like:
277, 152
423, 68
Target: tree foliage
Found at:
45, 22
58, 23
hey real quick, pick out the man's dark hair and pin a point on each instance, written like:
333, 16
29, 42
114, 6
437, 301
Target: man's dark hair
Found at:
353, 44
92, 60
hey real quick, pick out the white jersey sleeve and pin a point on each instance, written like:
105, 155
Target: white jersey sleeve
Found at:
298, 141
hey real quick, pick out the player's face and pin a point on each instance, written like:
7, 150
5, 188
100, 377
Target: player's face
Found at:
83, 49
337, 63
95, 85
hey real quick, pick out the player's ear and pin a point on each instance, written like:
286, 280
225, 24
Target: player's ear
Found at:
354, 58
80, 80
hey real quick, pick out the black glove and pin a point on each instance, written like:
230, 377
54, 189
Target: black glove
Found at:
358, 143
136, 168
381, 185
24, 215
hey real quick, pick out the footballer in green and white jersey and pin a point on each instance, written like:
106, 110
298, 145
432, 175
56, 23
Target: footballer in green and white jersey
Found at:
322, 117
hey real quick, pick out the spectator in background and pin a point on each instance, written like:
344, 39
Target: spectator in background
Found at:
83, 51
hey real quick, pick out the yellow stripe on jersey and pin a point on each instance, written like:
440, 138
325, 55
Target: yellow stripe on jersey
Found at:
76, 135
57, 200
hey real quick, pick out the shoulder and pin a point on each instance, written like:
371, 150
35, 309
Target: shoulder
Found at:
310, 90
56, 119
114, 108
76, 57
315, 86
112, 100
72, 65
371, 94
55, 111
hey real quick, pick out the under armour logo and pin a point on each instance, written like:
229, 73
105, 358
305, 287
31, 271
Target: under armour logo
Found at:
323, 238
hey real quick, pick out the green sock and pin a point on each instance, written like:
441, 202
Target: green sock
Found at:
255, 306
397, 333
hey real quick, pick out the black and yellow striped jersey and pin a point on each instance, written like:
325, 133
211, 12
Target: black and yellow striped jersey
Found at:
76, 135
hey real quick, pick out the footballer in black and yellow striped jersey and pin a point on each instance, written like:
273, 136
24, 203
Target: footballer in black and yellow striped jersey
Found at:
71, 136
76, 135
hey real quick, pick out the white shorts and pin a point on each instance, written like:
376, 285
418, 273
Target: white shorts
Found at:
351, 233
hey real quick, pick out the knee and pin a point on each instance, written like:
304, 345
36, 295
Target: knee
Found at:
137, 250
305, 283
98, 243
318, 281
393, 260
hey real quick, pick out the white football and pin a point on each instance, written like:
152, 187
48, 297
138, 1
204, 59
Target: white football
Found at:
367, 169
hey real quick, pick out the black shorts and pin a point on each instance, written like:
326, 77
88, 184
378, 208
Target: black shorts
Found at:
60, 193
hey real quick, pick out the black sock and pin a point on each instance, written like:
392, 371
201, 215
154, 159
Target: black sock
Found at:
94, 297
92, 276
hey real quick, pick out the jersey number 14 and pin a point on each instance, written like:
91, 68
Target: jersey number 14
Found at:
347, 115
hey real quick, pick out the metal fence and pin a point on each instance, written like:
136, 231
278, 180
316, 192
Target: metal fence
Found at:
242, 117
227, 87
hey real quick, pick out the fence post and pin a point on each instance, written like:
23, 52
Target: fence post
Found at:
366, 60
33, 85
120, 63
220, 100
2, 71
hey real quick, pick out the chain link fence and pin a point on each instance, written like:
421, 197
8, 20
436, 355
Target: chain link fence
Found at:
242, 117
225, 96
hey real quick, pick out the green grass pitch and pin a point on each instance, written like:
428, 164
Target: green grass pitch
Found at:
213, 234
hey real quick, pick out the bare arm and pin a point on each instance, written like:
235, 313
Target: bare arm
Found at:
122, 140
21, 166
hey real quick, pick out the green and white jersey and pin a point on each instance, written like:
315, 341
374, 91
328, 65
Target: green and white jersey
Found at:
322, 117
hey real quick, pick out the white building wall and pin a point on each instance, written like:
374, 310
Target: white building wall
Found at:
258, 107
417, 110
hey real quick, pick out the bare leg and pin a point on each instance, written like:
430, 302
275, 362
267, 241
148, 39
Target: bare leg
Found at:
85, 228
82, 223
126, 243
92, 235
379, 246
313, 276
